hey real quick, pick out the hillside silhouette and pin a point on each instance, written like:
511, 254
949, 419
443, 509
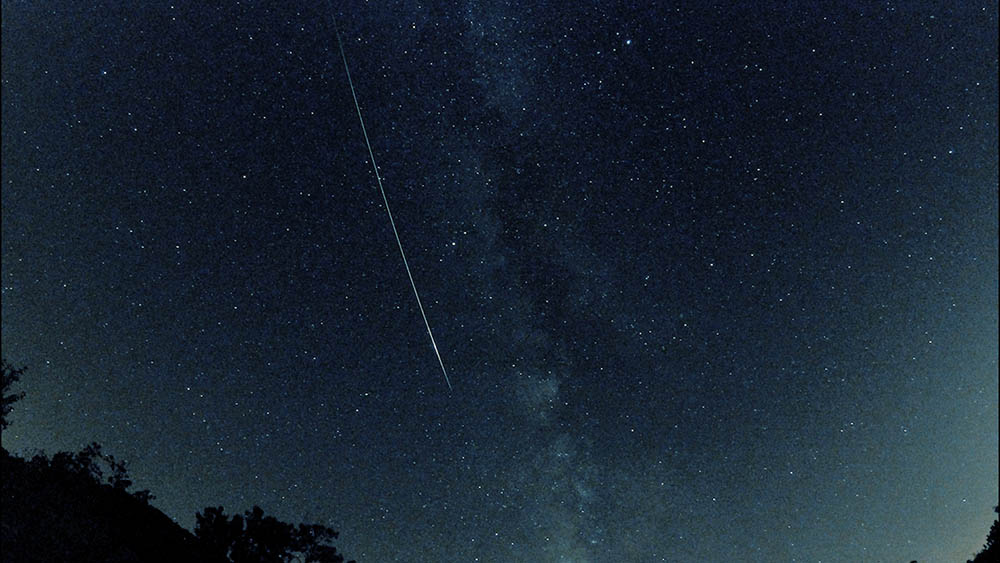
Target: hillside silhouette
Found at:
54, 510
77, 507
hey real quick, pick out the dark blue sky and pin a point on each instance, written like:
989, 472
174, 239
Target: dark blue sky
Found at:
711, 283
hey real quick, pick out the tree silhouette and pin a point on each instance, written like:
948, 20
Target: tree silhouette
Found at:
991, 550
91, 462
255, 538
77, 507
11, 375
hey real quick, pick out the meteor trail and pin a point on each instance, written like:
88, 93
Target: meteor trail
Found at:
385, 200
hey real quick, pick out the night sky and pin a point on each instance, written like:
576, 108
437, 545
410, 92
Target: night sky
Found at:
711, 284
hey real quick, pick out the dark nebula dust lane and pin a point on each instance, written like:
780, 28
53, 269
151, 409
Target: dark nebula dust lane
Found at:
711, 284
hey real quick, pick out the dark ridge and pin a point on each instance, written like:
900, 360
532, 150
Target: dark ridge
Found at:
52, 513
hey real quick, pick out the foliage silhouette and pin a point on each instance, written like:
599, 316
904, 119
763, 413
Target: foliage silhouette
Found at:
77, 507
11, 375
255, 538
59, 509
991, 550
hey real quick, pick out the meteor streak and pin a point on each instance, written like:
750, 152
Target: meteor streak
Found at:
385, 200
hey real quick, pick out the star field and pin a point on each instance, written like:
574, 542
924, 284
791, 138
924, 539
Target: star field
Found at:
711, 284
